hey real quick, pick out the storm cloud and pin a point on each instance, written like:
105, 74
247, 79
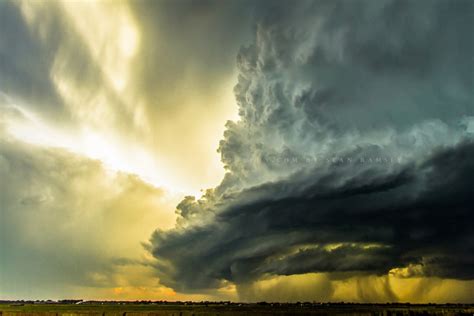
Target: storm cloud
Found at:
352, 153
347, 169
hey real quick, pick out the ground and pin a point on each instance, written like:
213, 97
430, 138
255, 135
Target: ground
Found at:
226, 309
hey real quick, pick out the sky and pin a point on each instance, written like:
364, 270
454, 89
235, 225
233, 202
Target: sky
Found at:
237, 150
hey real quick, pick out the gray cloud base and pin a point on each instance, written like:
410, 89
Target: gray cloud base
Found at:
340, 79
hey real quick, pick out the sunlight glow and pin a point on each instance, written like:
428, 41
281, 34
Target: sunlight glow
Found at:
128, 40
115, 155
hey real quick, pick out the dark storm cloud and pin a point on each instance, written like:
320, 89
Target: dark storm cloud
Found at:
350, 79
376, 221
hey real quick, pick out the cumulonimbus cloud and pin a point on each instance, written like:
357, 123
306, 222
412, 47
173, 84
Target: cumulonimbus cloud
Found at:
353, 152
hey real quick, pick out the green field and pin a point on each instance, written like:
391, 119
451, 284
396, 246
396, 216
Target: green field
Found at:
180, 309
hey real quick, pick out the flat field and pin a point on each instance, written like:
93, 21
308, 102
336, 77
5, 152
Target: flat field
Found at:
214, 309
